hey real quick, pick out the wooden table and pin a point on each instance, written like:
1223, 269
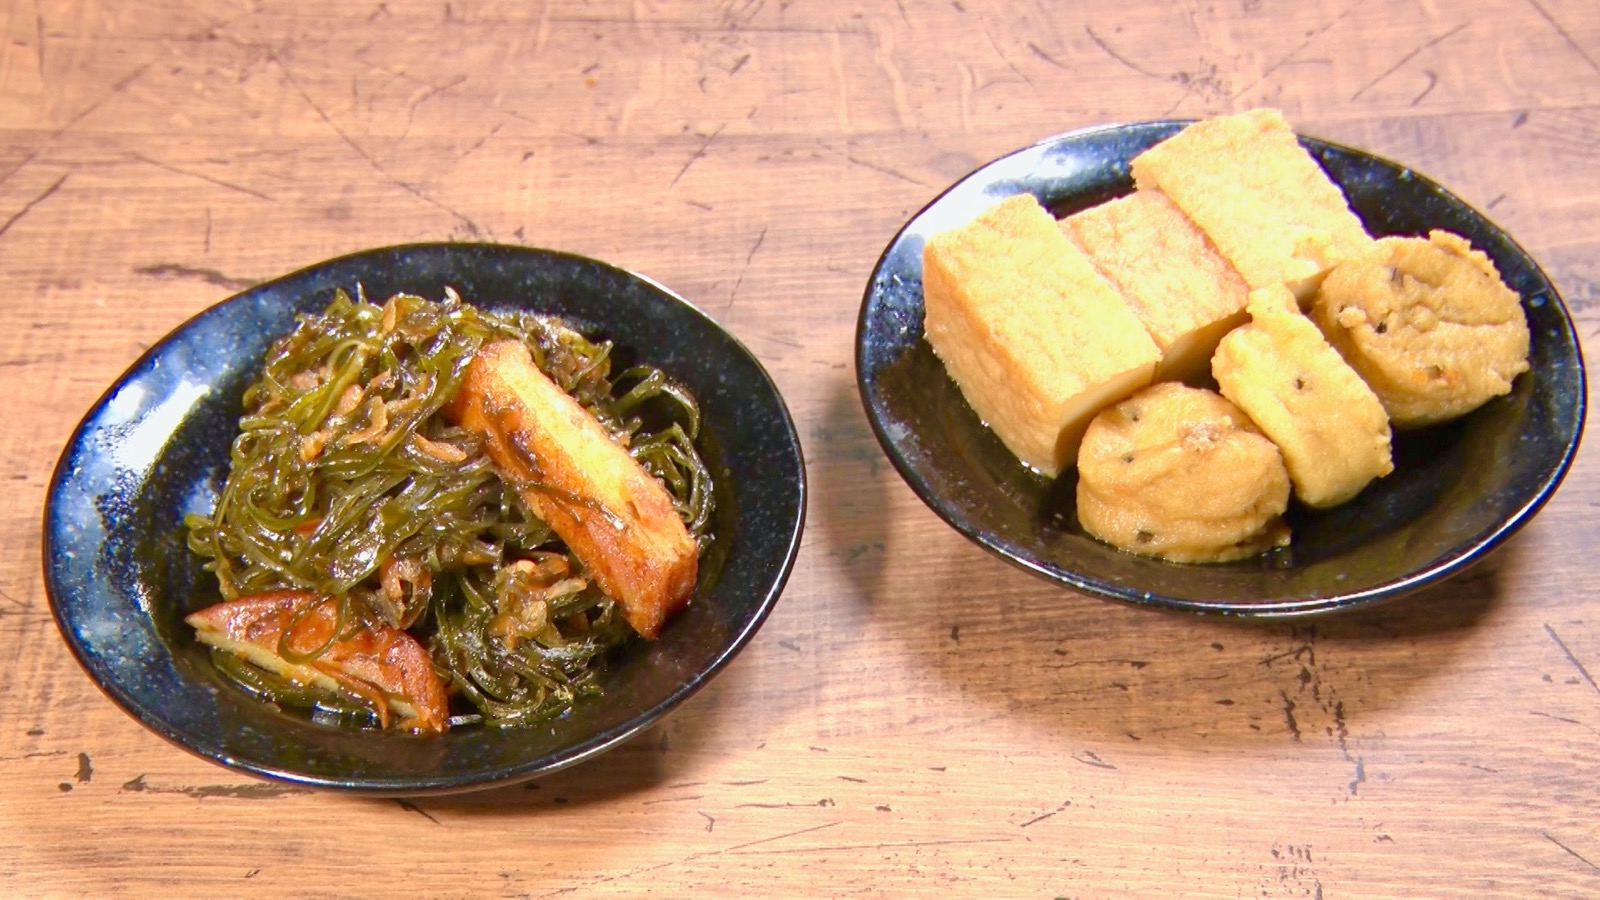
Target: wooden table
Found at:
916, 716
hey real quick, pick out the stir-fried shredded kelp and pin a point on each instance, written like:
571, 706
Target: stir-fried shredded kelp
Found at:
347, 481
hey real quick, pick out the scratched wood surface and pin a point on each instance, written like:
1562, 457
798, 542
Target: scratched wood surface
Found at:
915, 716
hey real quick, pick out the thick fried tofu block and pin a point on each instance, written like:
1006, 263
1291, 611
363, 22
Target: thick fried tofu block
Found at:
1264, 202
386, 667
1179, 286
1330, 427
616, 518
1037, 340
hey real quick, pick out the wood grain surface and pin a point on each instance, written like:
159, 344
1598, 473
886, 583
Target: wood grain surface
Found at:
916, 717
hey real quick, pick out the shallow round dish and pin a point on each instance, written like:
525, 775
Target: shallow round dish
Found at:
1457, 492
156, 446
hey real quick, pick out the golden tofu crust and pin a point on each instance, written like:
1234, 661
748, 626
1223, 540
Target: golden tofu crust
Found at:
614, 516
1258, 195
1036, 339
1329, 426
1180, 473
1183, 291
1428, 323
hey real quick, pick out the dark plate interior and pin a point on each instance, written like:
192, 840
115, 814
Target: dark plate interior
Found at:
1457, 491
156, 447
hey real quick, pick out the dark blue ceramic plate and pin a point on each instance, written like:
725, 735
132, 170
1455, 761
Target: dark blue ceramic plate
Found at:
156, 447
1457, 491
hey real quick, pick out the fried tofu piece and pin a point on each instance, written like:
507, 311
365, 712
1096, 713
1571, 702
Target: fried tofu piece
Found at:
1264, 202
1178, 285
614, 516
1428, 323
1330, 427
1037, 340
384, 666
1180, 473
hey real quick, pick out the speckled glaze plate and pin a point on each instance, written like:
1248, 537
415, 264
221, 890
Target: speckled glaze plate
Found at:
155, 447
1457, 492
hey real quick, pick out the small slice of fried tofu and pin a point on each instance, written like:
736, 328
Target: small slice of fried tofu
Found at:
384, 666
614, 516
1183, 291
1037, 340
1264, 202
1330, 427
